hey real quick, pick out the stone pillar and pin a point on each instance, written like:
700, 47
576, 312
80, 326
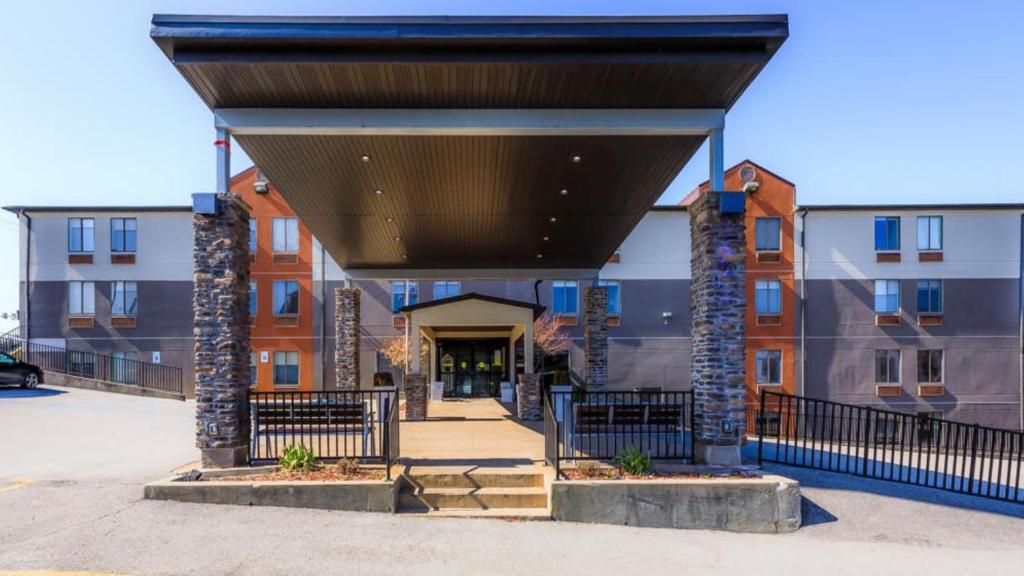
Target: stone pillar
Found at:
347, 338
717, 308
528, 397
416, 397
220, 308
595, 337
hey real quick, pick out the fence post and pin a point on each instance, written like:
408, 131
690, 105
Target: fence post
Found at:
387, 437
867, 437
759, 428
974, 456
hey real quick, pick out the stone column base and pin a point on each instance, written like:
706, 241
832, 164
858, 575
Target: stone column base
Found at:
528, 397
232, 457
416, 397
716, 455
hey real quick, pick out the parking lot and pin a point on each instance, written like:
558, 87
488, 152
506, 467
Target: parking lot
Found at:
72, 464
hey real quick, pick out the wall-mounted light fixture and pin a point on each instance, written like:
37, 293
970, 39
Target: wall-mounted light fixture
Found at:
665, 317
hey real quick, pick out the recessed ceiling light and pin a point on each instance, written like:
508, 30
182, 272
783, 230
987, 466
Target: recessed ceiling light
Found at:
405, 255
546, 238
390, 219
564, 192
397, 238
364, 158
577, 159
378, 192
540, 255
552, 219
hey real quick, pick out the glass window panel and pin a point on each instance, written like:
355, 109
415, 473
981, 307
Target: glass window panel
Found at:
131, 298
397, 296
286, 297
253, 299
88, 298
887, 296
887, 233
571, 297
130, 234
253, 368
614, 298
935, 232
767, 232
117, 234
412, 290
252, 235
768, 366
117, 298
74, 234
922, 233
88, 235
74, 297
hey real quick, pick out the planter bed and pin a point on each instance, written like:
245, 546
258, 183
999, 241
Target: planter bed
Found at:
269, 486
712, 499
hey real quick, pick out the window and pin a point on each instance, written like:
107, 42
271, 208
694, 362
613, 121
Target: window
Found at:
123, 366
122, 234
565, 297
887, 366
286, 234
286, 297
81, 298
81, 235
768, 296
253, 298
929, 232
448, 289
767, 234
286, 368
768, 367
252, 235
124, 298
929, 296
929, 366
887, 233
404, 293
614, 296
887, 296
254, 368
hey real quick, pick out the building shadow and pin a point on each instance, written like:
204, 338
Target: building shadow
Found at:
811, 514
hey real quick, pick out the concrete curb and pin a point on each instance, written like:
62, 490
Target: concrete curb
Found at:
68, 381
353, 496
770, 504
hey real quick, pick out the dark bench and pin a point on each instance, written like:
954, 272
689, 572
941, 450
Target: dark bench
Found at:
589, 418
312, 418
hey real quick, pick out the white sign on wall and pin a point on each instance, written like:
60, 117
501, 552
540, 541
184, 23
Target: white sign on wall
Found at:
156, 357
264, 356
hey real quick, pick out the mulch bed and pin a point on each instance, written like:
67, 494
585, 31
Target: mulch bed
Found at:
321, 475
609, 473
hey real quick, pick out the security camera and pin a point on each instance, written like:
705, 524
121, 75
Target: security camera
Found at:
261, 187
751, 187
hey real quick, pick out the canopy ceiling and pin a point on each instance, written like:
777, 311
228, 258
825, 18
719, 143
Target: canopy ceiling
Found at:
481, 200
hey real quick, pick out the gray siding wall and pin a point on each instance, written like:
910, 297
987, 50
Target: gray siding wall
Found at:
979, 337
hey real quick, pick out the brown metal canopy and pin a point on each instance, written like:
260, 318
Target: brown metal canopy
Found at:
435, 195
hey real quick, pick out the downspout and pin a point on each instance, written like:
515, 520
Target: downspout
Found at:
1020, 311
323, 318
536, 292
26, 332
803, 301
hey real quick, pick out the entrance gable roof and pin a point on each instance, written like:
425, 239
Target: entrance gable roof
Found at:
537, 309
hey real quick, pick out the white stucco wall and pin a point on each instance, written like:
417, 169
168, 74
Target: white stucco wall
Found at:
657, 249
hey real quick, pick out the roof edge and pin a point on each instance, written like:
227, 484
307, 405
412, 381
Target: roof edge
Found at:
17, 209
537, 309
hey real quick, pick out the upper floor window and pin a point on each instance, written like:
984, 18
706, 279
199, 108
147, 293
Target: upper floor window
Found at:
81, 235
768, 234
124, 298
929, 296
253, 298
887, 233
565, 297
446, 289
286, 368
286, 297
614, 296
768, 367
887, 366
286, 235
81, 298
122, 234
768, 296
404, 293
929, 232
252, 235
887, 296
929, 366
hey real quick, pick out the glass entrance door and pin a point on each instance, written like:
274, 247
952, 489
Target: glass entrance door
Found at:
472, 368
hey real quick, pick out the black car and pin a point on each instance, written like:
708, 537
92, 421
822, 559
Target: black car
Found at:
14, 371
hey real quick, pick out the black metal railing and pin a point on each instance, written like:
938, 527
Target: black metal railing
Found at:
358, 424
600, 425
887, 445
88, 364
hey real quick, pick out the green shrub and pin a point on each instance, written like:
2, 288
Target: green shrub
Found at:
634, 462
298, 458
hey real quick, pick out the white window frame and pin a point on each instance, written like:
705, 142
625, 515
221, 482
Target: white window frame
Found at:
942, 365
122, 287
254, 237
618, 296
768, 353
757, 229
931, 244
888, 283
446, 284
764, 286
290, 229
124, 235
565, 284
86, 298
298, 368
298, 296
899, 365
82, 235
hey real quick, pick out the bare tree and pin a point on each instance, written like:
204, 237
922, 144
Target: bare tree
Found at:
548, 339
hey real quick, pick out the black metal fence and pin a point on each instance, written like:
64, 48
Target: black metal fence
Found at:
886, 445
88, 364
592, 425
358, 424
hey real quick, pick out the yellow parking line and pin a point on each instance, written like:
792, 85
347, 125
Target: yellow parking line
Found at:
15, 483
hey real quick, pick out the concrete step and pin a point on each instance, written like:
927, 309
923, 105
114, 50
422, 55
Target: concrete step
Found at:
455, 477
514, 514
472, 498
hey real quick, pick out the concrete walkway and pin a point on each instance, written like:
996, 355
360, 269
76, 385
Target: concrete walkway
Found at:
479, 429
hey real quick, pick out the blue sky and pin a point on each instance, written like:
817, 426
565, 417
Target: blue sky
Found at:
868, 101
